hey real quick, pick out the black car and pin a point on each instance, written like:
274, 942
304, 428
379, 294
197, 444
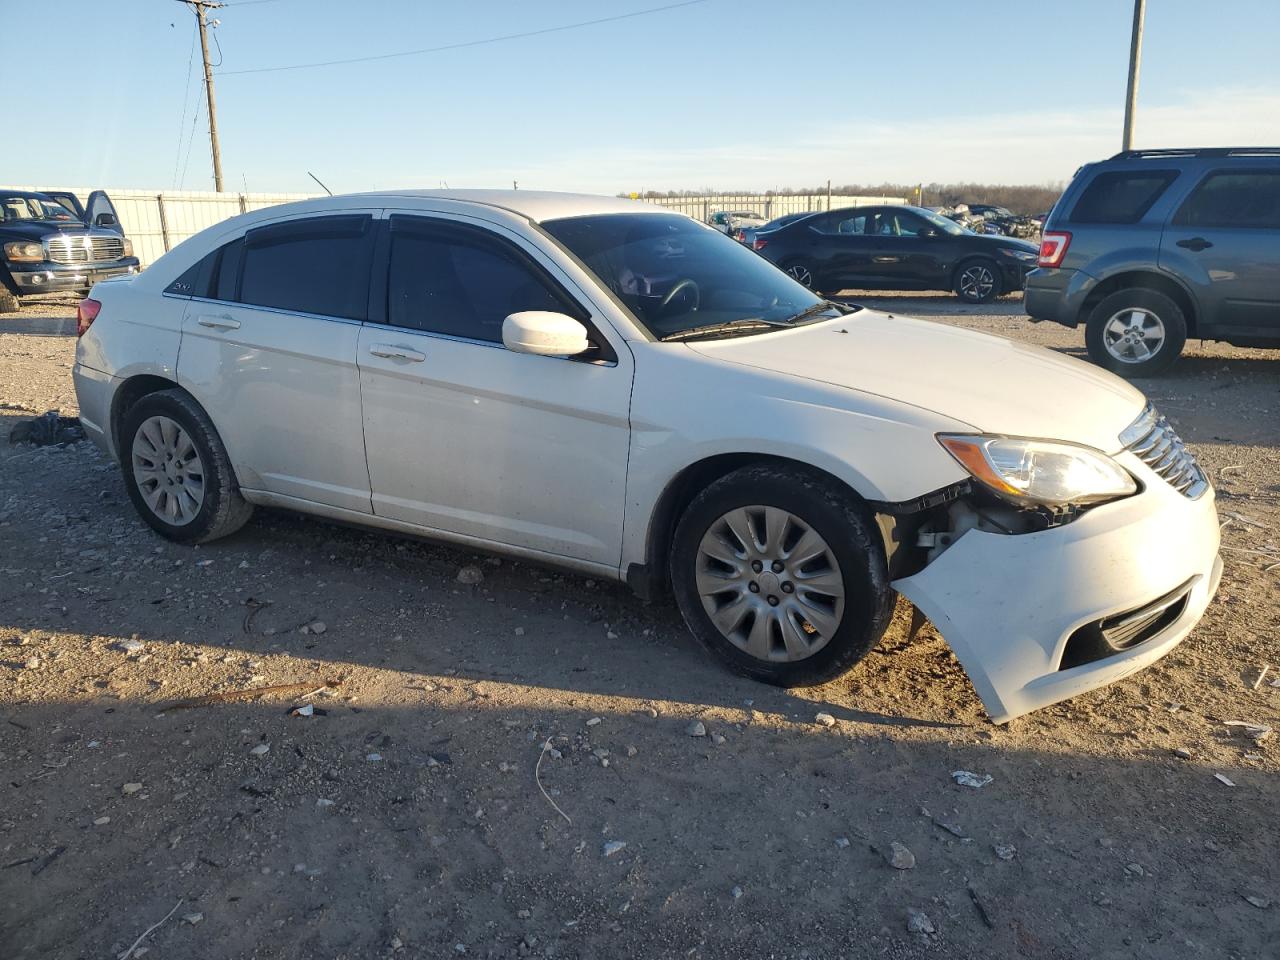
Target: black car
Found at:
50, 243
1154, 246
897, 248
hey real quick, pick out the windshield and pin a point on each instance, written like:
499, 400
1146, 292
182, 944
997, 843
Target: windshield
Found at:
942, 223
676, 274
17, 207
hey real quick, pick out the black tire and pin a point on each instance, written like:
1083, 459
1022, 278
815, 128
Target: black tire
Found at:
222, 510
8, 299
850, 533
977, 281
801, 271
1167, 314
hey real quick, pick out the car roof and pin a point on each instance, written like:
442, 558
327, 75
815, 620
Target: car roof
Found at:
25, 193
535, 205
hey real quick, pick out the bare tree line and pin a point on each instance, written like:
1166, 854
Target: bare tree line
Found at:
1020, 198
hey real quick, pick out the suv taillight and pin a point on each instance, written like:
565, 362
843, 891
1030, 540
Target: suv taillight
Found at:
759, 244
1053, 247
86, 313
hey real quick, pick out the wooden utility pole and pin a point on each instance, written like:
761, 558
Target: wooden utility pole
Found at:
1135, 60
200, 8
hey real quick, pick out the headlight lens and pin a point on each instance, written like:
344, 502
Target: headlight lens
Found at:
1041, 471
23, 251
128, 248
1025, 255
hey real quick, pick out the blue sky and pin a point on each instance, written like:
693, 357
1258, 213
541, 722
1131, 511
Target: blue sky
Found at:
734, 94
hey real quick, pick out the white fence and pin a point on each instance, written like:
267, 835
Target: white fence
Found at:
158, 220
764, 204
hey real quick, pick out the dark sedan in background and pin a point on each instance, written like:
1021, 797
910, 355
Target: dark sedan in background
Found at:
897, 248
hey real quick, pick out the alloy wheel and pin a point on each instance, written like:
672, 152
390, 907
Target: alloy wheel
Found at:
800, 273
1134, 335
168, 470
770, 583
977, 282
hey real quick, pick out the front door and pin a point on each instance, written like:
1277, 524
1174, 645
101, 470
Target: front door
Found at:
908, 251
101, 212
271, 352
1225, 238
465, 436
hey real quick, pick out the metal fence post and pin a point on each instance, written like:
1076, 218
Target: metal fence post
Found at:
164, 222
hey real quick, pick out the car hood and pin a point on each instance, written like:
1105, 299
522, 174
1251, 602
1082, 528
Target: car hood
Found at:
38, 230
992, 384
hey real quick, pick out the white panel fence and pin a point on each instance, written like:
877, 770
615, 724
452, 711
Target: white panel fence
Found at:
158, 220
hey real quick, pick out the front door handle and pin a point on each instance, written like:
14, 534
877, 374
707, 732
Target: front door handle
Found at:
218, 321
390, 351
1195, 244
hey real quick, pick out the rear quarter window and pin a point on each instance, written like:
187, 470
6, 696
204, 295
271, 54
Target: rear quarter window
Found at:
1121, 196
1246, 198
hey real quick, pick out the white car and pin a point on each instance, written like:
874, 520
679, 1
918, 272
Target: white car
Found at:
619, 390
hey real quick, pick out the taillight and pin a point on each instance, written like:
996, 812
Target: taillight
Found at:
759, 244
1053, 247
86, 313
741, 236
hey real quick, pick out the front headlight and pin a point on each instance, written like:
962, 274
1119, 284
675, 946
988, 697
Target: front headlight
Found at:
1024, 255
128, 248
23, 251
1041, 471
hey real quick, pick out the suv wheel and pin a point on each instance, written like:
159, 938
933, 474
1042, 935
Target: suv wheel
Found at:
177, 471
781, 576
977, 281
1136, 333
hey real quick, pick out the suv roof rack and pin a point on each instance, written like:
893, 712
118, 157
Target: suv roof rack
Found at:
1199, 152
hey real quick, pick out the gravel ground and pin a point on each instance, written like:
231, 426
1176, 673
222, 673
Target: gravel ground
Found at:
404, 817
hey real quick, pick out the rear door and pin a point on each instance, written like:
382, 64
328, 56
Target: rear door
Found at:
840, 248
270, 353
467, 437
101, 212
1225, 240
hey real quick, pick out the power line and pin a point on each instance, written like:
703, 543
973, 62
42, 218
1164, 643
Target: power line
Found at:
186, 97
201, 8
468, 43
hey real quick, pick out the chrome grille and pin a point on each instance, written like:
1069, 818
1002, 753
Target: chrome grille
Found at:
84, 248
1153, 441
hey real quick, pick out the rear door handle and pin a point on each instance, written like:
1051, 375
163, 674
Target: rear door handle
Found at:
218, 321
1195, 244
390, 351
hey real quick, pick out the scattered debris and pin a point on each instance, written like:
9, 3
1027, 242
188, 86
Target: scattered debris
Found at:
614, 846
1254, 900
918, 922
538, 766
192, 918
305, 689
595, 721
981, 908
253, 607
1254, 731
899, 857
147, 932
1262, 674
261, 749
736, 893
842, 843
1182, 752
1005, 851
1224, 779
1135, 870
951, 828
317, 626
824, 720
306, 710
132, 645
101, 821
717, 739
131, 787
696, 729
967, 778
470, 575
373, 757
324, 802
51, 856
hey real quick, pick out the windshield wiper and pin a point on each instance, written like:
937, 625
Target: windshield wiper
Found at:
732, 326
820, 307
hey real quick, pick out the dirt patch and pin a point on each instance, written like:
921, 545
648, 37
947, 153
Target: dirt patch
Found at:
403, 818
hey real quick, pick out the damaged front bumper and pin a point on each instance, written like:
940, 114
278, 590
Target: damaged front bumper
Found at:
1038, 617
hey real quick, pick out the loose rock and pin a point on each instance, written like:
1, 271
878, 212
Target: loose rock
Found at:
1005, 851
470, 575
131, 787
967, 778
696, 729
824, 720
614, 846
899, 857
261, 749
918, 922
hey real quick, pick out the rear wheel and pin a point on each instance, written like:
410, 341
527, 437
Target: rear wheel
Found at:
1136, 332
977, 281
801, 271
781, 575
177, 471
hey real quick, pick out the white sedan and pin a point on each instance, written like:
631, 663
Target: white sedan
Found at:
617, 389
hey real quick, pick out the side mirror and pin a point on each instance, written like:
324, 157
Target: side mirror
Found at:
544, 334
105, 220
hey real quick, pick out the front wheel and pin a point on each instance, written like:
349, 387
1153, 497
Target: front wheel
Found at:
802, 272
977, 281
781, 575
177, 471
1136, 333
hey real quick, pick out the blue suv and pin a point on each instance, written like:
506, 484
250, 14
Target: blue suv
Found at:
1154, 246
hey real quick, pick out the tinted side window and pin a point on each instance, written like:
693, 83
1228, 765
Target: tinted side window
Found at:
1245, 199
226, 270
462, 281
1121, 196
319, 265
843, 224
